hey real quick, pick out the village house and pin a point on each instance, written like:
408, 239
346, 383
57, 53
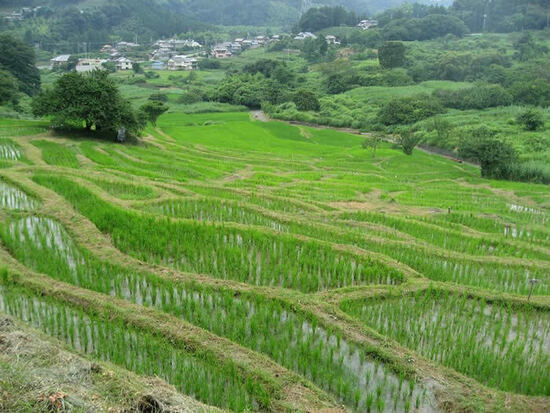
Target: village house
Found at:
332, 40
59, 61
123, 63
107, 49
220, 52
261, 40
182, 62
89, 65
367, 24
305, 35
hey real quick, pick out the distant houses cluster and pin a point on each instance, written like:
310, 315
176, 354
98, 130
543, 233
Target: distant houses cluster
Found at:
182, 54
22, 14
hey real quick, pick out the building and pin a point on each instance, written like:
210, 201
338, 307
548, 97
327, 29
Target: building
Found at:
367, 24
123, 63
89, 65
304, 36
221, 52
182, 62
107, 49
332, 40
59, 60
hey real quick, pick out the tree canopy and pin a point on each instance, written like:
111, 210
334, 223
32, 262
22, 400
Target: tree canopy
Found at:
19, 59
91, 100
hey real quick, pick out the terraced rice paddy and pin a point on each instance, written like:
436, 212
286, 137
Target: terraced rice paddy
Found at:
257, 269
9, 150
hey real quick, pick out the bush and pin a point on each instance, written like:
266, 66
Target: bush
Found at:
409, 110
477, 97
495, 156
391, 55
306, 101
531, 120
158, 97
207, 64
533, 171
408, 141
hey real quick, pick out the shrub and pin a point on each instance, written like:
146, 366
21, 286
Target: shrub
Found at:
391, 55
409, 110
532, 171
407, 140
494, 156
306, 101
531, 120
477, 97
158, 97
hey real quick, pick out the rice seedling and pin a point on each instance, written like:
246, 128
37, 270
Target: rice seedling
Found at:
9, 150
13, 198
503, 346
265, 325
57, 154
213, 211
245, 255
198, 374
125, 191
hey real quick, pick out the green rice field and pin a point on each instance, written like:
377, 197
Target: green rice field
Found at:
263, 266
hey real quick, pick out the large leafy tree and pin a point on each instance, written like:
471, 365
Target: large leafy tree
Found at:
8, 87
91, 100
19, 59
391, 55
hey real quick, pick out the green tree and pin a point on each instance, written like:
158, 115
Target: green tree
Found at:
494, 156
373, 142
153, 110
407, 140
306, 100
138, 70
9, 88
404, 111
91, 100
19, 59
391, 55
531, 120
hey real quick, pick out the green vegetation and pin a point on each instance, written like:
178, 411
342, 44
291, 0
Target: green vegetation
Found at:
501, 345
56, 154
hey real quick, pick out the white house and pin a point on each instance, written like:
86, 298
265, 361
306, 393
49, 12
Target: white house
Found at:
332, 40
221, 52
367, 24
89, 65
305, 35
182, 62
123, 63
59, 60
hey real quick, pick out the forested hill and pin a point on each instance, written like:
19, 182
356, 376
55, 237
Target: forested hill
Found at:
94, 20
63, 24
224, 12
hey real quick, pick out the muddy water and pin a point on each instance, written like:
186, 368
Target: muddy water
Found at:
15, 199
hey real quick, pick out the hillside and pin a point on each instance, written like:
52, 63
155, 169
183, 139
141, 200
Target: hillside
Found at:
233, 12
259, 266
